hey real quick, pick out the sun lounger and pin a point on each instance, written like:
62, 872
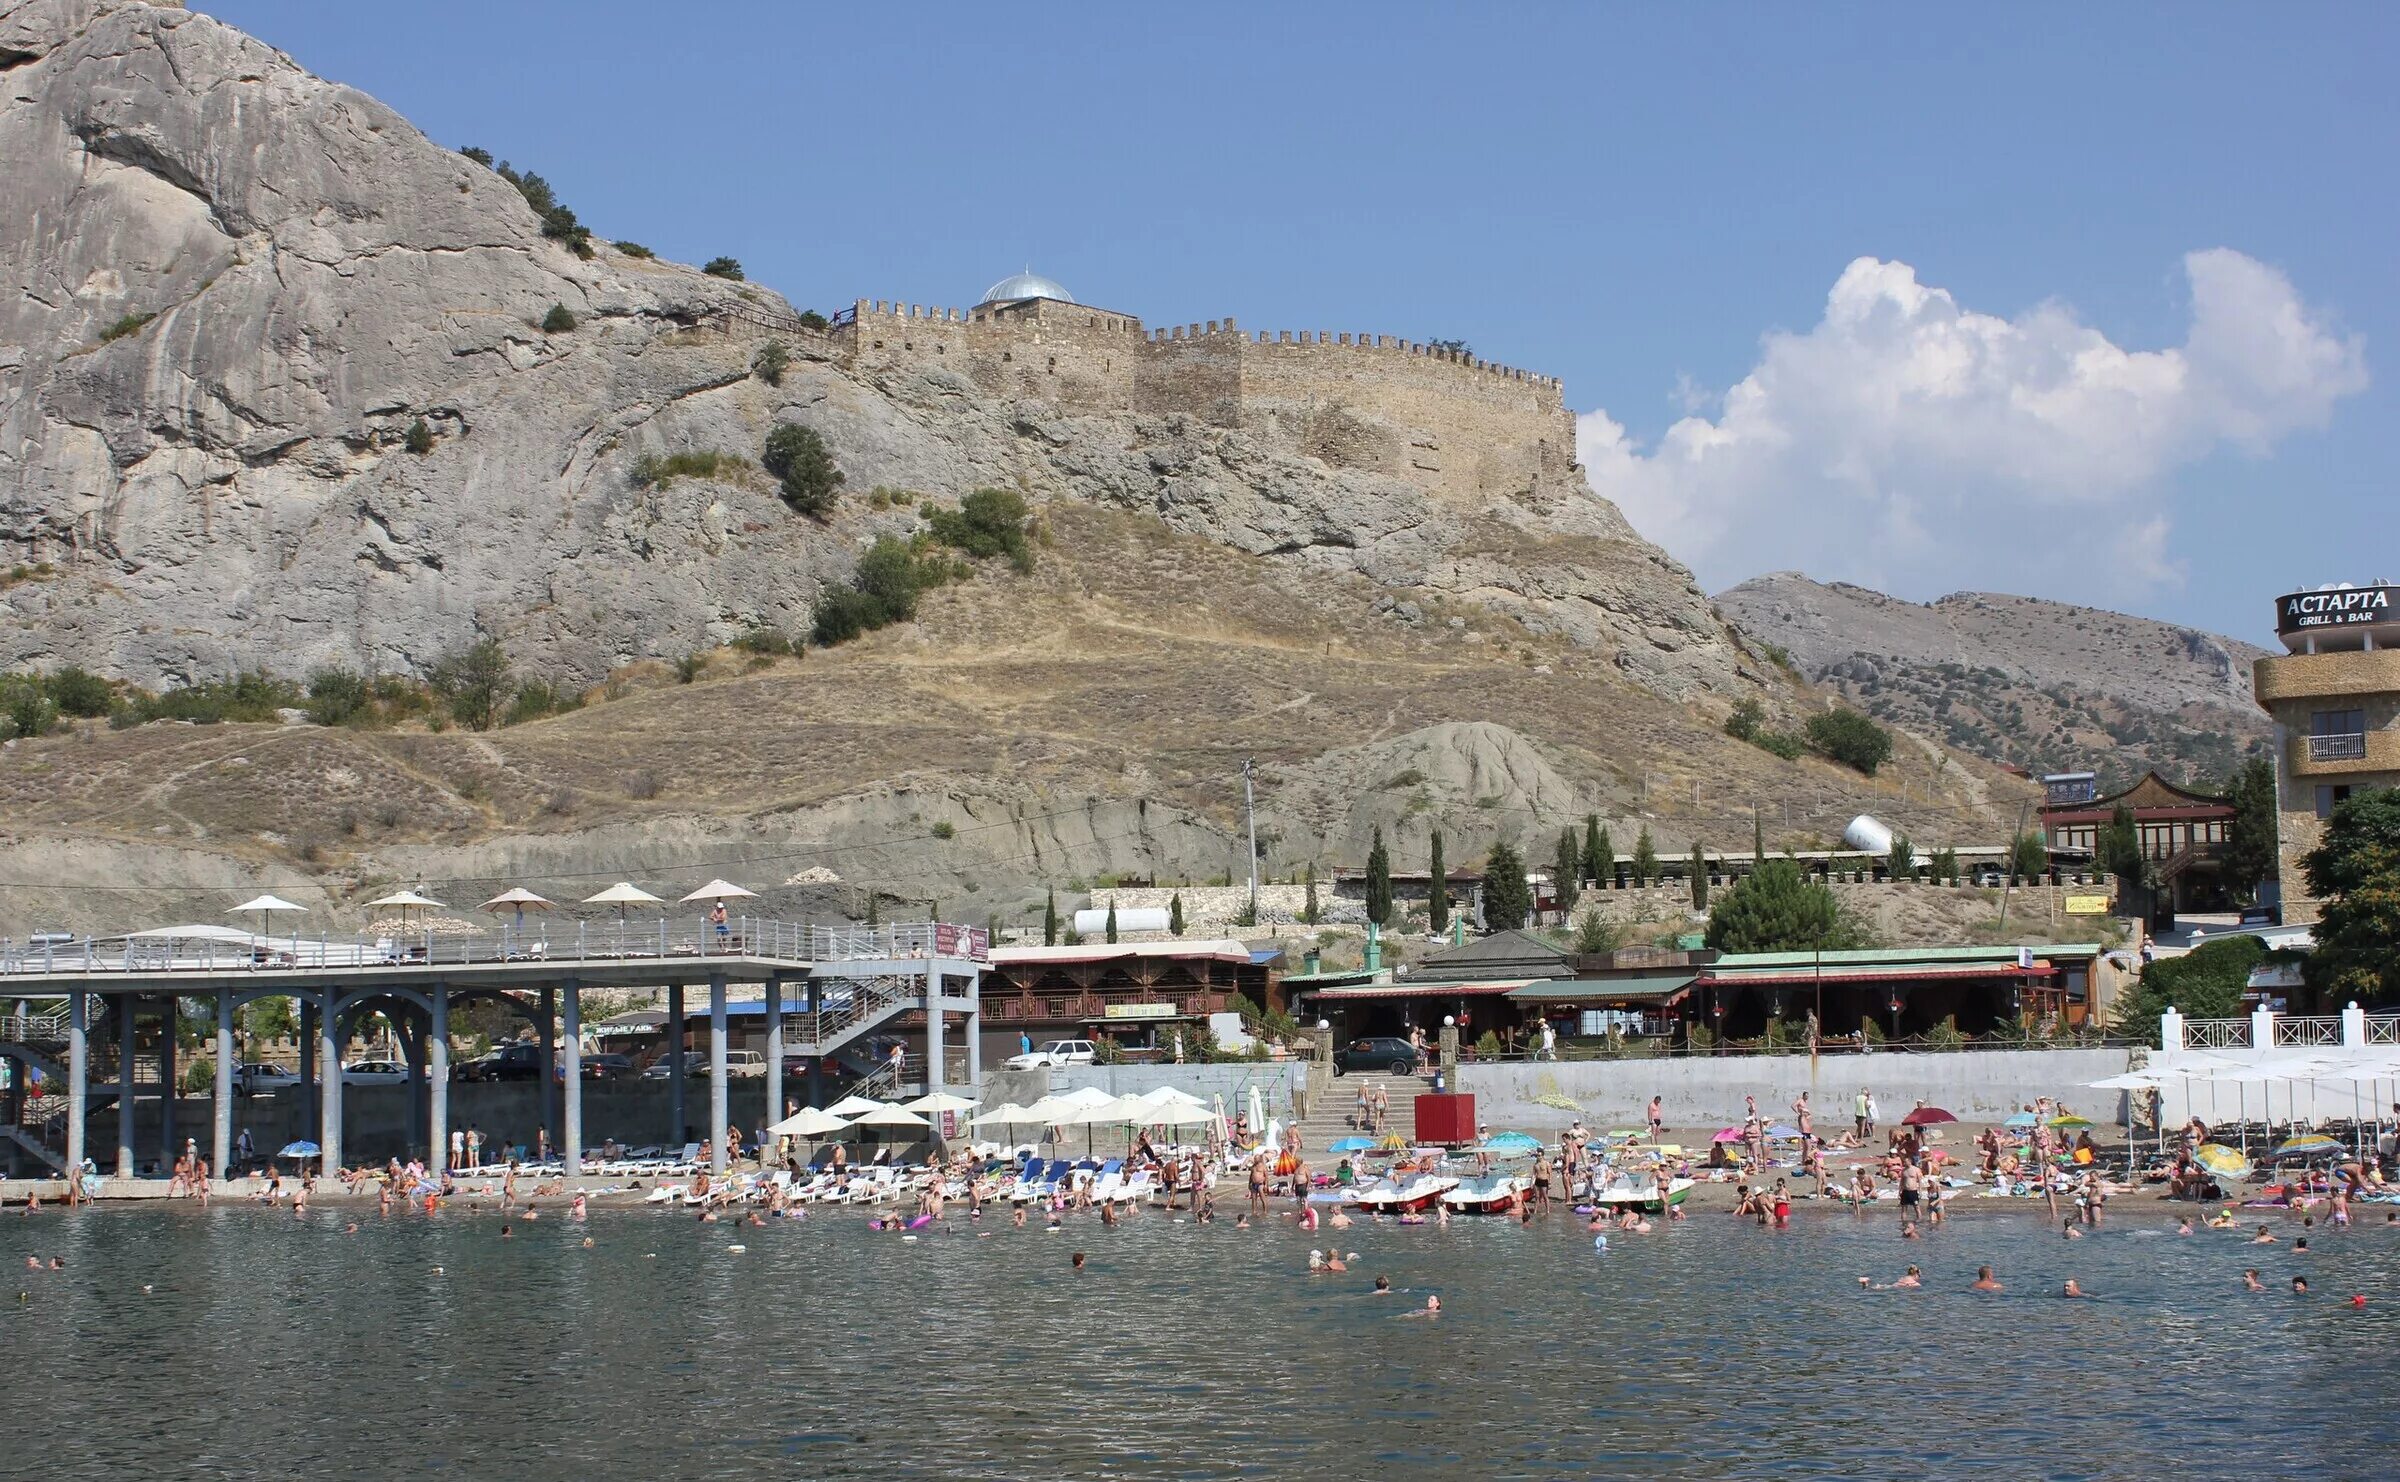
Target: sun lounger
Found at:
1142, 1184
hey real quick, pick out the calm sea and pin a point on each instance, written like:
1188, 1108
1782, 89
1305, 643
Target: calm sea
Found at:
274, 1346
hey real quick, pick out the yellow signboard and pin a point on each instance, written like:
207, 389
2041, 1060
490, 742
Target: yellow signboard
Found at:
2087, 905
1138, 1011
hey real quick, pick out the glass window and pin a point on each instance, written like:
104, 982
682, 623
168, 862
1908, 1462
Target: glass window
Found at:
2337, 722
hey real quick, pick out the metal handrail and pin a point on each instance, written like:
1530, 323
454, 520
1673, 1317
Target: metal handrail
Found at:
2308, 1031
2341, 746
2216, 1034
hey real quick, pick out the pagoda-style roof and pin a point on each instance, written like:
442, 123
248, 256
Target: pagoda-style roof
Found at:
2154, 797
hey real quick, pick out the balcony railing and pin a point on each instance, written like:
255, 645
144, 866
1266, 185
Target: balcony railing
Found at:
2347, 746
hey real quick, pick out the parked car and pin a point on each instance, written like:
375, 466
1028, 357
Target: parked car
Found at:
607, 1068
264, 1078
1382, 1053
740, 1065
2262, 916
374, 1073
1989, 876
512, 1062
1055, 1053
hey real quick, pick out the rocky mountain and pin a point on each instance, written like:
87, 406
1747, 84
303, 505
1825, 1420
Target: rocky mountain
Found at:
236, 292
2043, 685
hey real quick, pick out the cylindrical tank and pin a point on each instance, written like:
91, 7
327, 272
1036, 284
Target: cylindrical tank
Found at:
1129, 919
1868, 835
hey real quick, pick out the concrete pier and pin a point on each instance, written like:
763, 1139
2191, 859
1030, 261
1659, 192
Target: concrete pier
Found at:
570, 1040
716, 1072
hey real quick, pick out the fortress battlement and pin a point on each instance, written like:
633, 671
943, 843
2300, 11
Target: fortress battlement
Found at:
1429, 413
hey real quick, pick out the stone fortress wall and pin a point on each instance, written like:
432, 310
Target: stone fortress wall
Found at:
1456, 425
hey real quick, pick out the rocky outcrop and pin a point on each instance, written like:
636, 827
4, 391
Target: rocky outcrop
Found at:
235, 288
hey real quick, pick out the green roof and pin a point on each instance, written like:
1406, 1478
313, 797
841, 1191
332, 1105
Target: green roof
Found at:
1874, 957
1590, 990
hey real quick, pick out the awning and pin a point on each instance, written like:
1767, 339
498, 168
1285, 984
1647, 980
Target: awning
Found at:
1651, 990
1404, 988
1900, 975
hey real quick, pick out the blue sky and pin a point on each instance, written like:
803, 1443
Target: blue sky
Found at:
2032, 386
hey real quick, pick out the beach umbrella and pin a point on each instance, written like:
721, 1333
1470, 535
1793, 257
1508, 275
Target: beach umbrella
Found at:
719, 890
936, 1102
2023, 1120
1178, 1114
1730, 1134
301, 1150
1925, 1116
2072, 1120
808, 1122
1008, 1114
891, 1116
853, 1106
622, 894
1392, 1142
1085, 1097
518, 899
1523, 1142
265, 906
1785, 1132
1351, 1145
2307, 1145
1168, 1095
404, 901
2221, 1161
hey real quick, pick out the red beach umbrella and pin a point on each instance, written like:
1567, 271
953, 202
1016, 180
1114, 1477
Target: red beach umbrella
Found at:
1926, 1116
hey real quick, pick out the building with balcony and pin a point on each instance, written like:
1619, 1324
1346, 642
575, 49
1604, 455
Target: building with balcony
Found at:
2183, 833
2334, 695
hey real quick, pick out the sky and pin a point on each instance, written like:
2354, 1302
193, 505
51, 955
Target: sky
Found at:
2084, 302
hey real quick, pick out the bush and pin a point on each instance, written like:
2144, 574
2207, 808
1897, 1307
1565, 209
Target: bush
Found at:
1780, 743
988, 522
1594, 935
635, 249
255, 696
1743, 724
771, 362
803, 466
945, 829
473, 683
642, 786
77, 691
1850, 738
25, 710
811, 319
650, 470
130, 324
558, 320
420, 438
723, 267
336, 696
536, 698
766, 641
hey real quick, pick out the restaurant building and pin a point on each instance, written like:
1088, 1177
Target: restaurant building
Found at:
1126, 991
2334, 694
2183, 834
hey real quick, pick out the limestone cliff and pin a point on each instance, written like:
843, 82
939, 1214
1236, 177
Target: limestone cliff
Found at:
235, 287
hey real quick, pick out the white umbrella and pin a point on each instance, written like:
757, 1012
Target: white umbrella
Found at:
264, 905
1169, 1096
891, 1116
404, 899
1008, 1114
1126, 1111
622, 894
1176, 1114
851, 1106
1041, 1112
808, 1122
937, 1102
1084, 1096
717, 890
518, 899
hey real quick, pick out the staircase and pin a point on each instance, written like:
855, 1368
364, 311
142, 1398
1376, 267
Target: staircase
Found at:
1329, 1121
872, 1000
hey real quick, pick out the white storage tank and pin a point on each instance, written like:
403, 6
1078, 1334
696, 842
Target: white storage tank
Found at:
1868, 835
1129, 919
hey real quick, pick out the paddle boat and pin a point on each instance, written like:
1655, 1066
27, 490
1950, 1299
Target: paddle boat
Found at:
1407, 1194
1495, 1193
1641, 1194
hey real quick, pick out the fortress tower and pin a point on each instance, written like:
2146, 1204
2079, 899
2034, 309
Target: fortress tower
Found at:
1462, 428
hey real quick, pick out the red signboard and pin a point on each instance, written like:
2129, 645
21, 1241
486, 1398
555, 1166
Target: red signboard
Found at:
973, 943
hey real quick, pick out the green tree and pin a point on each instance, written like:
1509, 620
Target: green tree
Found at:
1851, 739
1112, 919
75, 690
1699, 877
1902, 861
1645, 858
1743, 724
1507, 899
874, 908
1594, 935
1309, 912
2250, 847
1175, 914
336, 696
2204, 983
1942, 865
1599, 861
723, 267
1437, 890
473, 682
803, 466
2029, 856
2118, 850
420, 438
988, 522
2355, 872
1776, 908
558, 320
1566, 874
1050, 918
771, 362
1379, 881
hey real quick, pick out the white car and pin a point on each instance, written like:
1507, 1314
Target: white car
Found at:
264, 1077
1057, 1052
374, 1073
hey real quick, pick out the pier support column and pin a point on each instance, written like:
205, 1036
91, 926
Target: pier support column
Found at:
548, 1058
774, 1007
125, 1086
311, 1109
974, 1033
437, 1080
220, 1126
816, 1062
716, 1072
677, 1135
79, 1076
329, 1089
167, 1024
933, 1029
571, 1041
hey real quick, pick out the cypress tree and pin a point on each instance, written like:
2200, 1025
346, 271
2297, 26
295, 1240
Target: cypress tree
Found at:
1379, 881
1507, 900
1112, 918
1175, 914
1437, 895
1567, 872
1606, 858
1050, 919
1595, 869
1308, 908
874, 908
1699, 878
1645, 858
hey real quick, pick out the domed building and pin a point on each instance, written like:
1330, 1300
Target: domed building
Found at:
1019, 287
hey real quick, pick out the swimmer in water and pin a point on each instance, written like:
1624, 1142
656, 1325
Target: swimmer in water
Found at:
2184, 1228
1383, 1286
1986, 1282
1079, 1260
2072, 1290
2299, 1286
2250, 1281
2263, 1237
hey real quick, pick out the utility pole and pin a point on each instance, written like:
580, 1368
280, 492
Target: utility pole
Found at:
2009, 882
1250, 813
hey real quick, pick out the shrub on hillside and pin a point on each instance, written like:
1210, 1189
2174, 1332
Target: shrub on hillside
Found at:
1850, 738
723, 267
558, 321
804, 467
988, 522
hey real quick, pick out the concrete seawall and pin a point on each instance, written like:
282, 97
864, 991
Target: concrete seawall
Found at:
1980, 1085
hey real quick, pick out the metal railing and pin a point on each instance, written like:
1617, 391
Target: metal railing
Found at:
2308, 1031
34, 1029
2346, 746
868, 1001
2216, 1034
2383, 1029
234, 951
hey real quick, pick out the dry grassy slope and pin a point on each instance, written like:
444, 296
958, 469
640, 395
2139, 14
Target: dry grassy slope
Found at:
2045, 685
1091, 720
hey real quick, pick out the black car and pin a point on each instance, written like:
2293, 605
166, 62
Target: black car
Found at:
1387, 1053
518, 1062
608, 1068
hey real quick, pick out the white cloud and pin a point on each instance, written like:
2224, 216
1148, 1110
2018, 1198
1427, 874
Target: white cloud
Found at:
1908, 443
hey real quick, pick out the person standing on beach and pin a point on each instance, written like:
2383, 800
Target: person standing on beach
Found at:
1858, 1111
1658, 1117
1800, 1116
1383, 1108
